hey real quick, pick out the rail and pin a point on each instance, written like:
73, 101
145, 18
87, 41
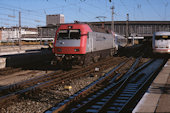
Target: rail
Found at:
14, 91
115, 95
95, 86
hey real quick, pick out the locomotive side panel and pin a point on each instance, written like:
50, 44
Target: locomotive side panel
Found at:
99, 41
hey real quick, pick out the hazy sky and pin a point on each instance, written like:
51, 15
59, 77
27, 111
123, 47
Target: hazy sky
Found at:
33, 12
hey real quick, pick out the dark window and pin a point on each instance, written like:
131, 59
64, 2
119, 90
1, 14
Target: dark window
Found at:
63, 34
74, 34
69, 34
162, 37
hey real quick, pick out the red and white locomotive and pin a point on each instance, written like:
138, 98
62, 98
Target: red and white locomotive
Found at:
78, 44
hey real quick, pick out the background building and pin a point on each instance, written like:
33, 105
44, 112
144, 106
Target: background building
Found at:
12, 34
54, 19
135, 28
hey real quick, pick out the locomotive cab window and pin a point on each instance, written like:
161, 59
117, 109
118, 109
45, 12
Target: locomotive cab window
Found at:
75, 34
63, 34
69, 34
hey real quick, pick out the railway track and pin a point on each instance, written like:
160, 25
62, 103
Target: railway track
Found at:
116, 94
8, 70
50, 87
12, 92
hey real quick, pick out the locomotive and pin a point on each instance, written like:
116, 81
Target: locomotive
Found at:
78, 44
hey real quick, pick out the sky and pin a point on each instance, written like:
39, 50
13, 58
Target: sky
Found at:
33, 12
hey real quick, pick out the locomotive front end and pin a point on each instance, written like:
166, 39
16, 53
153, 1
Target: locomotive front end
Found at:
70, 43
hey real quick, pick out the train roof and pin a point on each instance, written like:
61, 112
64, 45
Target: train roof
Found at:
162, 33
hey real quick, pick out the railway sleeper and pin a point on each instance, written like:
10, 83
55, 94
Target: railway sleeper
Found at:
128, 92
125, 95
91, 111
116, 104
121, 101
95, 106
100, 103
123, 98
113, 108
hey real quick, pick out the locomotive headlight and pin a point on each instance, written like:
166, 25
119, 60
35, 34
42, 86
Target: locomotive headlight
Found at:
59, 50
76, 50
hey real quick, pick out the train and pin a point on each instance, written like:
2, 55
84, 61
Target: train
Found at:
120, 40
161, 42
78, 44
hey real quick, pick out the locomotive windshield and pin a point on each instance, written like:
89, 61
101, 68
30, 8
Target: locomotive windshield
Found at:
69, 34
164, 37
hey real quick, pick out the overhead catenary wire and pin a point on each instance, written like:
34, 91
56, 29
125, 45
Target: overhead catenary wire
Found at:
139, 7
26, 12
12, 9
86, 11
19, 9
14, 22
11, 22
105, 11
124, 6
165, 3
27, 18
154, 10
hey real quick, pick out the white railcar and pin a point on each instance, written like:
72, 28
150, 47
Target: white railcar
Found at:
161, 42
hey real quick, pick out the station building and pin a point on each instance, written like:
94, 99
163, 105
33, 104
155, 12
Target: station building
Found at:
12, 33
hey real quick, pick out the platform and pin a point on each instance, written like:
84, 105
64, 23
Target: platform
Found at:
8, 50
157, 98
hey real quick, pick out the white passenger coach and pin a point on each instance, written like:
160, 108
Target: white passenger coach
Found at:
161, 42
